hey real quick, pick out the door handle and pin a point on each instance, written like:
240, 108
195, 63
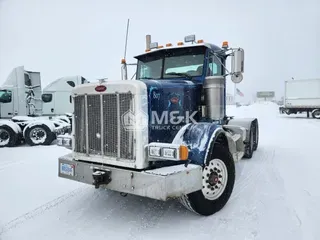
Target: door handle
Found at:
9, 113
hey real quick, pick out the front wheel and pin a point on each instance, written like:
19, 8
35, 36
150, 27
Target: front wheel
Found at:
8, 137
218, 179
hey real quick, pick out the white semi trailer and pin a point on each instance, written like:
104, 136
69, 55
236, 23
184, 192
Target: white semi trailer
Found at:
28, 114
302, 96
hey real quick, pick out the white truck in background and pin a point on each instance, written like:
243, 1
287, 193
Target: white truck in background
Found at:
33, 116
302, 96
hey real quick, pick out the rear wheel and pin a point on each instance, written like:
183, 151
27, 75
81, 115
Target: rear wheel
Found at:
316, 113
38, 135
8, 137
249, 147
256, 136
218, 179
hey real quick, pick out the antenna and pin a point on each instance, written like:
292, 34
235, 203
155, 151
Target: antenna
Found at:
126, 42
124, 70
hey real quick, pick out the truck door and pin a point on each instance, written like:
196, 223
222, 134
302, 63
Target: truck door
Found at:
6, 104
48, 105
63, 102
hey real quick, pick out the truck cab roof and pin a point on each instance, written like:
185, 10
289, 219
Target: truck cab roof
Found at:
210, 46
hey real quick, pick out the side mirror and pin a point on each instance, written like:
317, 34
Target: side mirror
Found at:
237, 65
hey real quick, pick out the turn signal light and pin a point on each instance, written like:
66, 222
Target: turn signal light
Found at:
183, 152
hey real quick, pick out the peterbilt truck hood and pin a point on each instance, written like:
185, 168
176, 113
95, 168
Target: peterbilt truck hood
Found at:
180, 98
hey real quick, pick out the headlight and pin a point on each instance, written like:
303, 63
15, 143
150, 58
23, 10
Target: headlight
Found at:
59, 141
155, 151
64, 141
166, 151
169, 152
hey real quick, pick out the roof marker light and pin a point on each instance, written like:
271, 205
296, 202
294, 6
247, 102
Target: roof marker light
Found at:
225, 44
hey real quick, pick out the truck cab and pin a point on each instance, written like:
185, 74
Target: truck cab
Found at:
29, 115
6, 109
165, 134
20, 94
56, 97
175, 78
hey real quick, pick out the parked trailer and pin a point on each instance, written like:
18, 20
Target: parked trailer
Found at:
165, 134
29, 115
302, 96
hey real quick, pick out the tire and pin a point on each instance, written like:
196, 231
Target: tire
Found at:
38, 135
8, 137
256, 136
249, 147
316, 113
206, 204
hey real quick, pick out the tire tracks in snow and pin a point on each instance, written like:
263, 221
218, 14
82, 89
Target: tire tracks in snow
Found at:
150, 217
304, 227
9, 164
254, 172
42, 209
75, 220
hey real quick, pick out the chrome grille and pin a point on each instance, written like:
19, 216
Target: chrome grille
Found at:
97, 126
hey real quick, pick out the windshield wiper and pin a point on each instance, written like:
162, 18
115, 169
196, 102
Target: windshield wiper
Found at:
180, 74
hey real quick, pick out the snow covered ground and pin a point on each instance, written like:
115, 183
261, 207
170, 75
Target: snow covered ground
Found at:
276, 196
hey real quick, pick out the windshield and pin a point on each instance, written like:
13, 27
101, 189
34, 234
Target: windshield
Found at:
172, 63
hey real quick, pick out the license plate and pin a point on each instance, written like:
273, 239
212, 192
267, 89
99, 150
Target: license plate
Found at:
67, 169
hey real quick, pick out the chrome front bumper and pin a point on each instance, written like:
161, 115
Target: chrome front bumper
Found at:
161, 184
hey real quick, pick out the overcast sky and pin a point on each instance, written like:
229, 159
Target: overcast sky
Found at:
86, 37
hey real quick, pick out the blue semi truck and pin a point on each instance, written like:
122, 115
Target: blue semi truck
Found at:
165, 134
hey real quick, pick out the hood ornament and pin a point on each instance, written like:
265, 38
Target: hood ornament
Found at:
102, 80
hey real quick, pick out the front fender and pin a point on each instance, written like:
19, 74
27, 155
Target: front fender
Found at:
198, 137
15, 127
47, 123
